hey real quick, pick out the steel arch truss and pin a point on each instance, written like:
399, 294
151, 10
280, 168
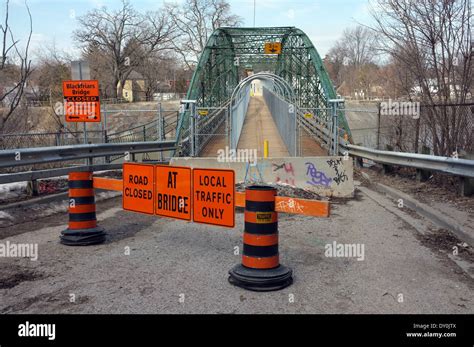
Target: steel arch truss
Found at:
231, 52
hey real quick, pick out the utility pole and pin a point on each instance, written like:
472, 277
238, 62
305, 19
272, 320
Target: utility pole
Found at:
254, 12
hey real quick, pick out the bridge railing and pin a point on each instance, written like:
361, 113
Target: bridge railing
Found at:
210, 126
318, 124
45, 139
147, 131
150, 131
238, 113
202, 128
284, 114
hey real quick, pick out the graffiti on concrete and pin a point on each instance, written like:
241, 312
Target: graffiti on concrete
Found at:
286, 173
290, 205
317, 178
288, 167
338, 166
254, 173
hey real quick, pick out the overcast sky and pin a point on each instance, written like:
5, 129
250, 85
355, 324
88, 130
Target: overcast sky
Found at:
322, 21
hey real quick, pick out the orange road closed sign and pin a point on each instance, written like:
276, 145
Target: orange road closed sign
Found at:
81, 101
138, 182
213, 197
173, 191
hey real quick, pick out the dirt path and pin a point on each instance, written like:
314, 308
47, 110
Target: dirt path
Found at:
148, 262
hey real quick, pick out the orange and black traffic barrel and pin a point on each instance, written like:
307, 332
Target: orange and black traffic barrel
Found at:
82, 229
260, 269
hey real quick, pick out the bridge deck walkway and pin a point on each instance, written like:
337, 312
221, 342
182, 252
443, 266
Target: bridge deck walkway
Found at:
259, 126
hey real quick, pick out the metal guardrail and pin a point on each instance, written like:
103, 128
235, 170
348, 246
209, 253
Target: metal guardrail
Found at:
459, 167
453, 166
44, 155
56, 172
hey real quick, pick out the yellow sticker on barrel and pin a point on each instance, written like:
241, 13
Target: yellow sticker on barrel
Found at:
213, 197
138, 182
173, 191
308, 115
264, 217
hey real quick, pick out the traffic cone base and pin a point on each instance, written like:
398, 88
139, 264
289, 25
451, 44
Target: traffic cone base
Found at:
82, 237
261, 280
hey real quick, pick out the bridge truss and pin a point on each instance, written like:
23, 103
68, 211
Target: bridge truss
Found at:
231, 53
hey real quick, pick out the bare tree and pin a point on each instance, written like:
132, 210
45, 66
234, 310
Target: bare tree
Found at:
357, 46
52, 67
196, 20
157, 68
352, 59
432, 41
15, 68
125, 37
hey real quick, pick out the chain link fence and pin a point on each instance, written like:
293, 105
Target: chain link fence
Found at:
161, 127
444, 130
284, 115
237, 115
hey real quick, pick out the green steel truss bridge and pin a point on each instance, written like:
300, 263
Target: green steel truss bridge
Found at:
296, 76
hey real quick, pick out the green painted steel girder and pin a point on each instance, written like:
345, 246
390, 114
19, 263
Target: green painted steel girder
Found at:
230, 52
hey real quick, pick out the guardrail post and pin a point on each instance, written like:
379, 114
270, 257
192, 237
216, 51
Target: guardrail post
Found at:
359, 160
423, 175
82, 229
467, 184
32, 188
388, 168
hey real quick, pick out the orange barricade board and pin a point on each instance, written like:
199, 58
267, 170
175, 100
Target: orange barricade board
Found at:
81, 101
314, 208
173, 191
138, 188
108, 183
213, 197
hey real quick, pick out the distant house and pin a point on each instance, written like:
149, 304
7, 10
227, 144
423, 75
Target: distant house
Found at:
134, 87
